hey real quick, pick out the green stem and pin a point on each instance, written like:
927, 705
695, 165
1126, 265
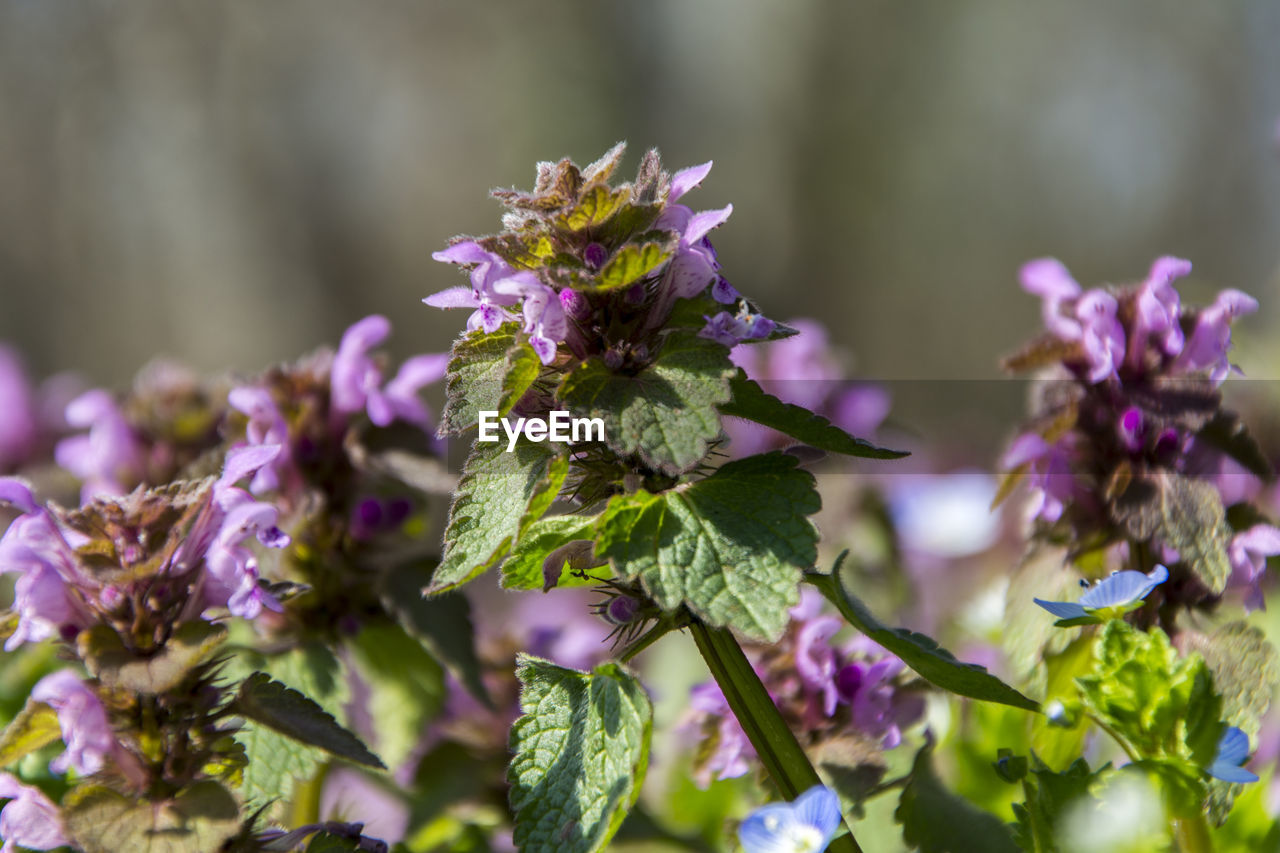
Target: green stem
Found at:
1192, 834
774, 742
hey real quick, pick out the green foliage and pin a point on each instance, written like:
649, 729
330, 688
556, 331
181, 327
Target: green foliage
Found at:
493, 505
100, 820
526, 567
107, 659
278, 762
581, 749
632, 263
1048, 796
665, 413
751, 402
935, 820
486, 372
1057, 744
35, 727
406, 687
290, 713
442, 623
1161, 707
932, 662
1183, 513
730, 547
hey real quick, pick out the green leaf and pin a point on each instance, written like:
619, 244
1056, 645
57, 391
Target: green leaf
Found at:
498, 494
1246, 671
278, 763
1048, 796
442, 623
630, 264
666, 413
596, 206
581, 749
36, 726
751, 402
523, 368
937, 821
731, 547
100, 820
932, 662
1184, 513
524, 569
1227, 432
406, 687
478, 377
107, 659
1144, 692
290, 713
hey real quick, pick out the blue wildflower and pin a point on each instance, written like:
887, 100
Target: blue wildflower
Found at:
1109, 598
1233, 750
804, 826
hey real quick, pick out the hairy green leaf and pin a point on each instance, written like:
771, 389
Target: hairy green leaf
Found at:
666, 413
500, 493
630, 264
581, 748
405, 683
478, 381
731, 547
107, 659
751, 402
36, 726
935, 820
595, 207
932, 662
292, 714
100, 820
526, 569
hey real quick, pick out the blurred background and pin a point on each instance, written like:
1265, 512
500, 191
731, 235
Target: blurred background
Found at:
233, 183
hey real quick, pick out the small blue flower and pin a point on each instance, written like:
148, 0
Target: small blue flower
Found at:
1233, 750
804, 826
1109, 598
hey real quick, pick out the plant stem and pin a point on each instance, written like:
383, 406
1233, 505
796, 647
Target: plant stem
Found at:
774, 742
1192, 834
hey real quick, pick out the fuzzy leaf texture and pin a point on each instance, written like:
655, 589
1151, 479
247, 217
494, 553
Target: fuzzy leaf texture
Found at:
1184, 513
752, 403
666, 413
1163, 705
289, 712
731, 547
493, 505
199, 819
932, 662
525, 568
581, 748
486, 372
935, 820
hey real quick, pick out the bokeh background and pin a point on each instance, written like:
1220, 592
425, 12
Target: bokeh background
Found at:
233, 183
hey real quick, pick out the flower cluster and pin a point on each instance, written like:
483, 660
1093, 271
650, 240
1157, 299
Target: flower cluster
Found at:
1129, 443
827, 691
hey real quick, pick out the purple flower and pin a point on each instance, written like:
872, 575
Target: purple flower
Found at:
487, 269
816, 660
1248, 551
1211, 337
1050, 473
267, 426
109, 458
1158, 309
83, 721
1049, 279
1101, 334
36, 548
730, 330
804, 826
1111, 597
29, 819
694, 265
544, 318
733, 750
1233, 751
18, 417
355, 381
